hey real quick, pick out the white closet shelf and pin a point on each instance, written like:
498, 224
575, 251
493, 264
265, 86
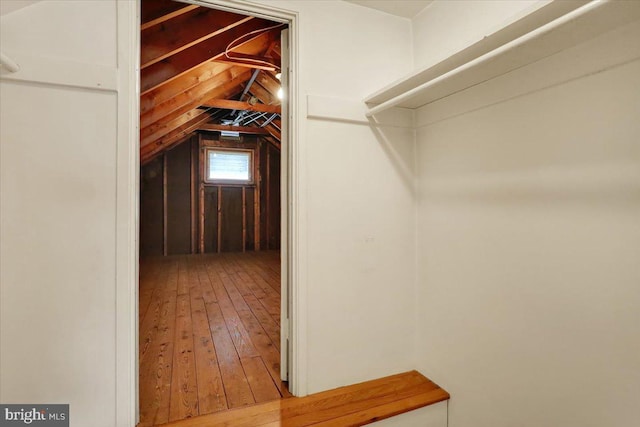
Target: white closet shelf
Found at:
550, 29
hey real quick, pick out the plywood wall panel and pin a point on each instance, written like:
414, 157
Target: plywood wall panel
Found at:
273, 199
151, 206
250, 242
210, 219
179, 199
231, 215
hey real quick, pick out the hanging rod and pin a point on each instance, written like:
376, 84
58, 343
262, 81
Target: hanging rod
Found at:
8, 63
487, 56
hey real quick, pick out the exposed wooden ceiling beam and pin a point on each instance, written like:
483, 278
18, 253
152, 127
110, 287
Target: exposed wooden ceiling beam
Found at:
263, 62
271, 140
162, 128
215, 88
151, 157
238, 105
193, 78
182, 81
184, 31
242, 129
263, 94
273, 131
272, 47
269, 82
210, 49
241, 63
155, 12
148, 151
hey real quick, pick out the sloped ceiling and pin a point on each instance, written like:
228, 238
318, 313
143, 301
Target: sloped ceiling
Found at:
205, 70
8, 6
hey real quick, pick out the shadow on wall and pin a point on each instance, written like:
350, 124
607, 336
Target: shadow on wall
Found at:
398, 142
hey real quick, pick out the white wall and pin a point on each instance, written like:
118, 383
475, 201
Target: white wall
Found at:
446, 27
356, 199
58, 215
529, 242
430, 416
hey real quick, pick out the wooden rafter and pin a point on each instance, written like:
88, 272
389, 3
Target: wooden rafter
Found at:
162, 128
148, 151
275, 53
269, 82
273, 131
242, 129
187, 85
210, 49
174, 88
184, 31
194, 97
159, 11
173, 120
196, 76
266, 65
263, 94
273, 141
238, 105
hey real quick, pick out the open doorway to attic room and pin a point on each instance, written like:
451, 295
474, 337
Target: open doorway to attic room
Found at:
210, 211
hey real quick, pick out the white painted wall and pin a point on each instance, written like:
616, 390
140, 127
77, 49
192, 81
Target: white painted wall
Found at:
430, 416
446, 27
358, 210
58, 218
529, 241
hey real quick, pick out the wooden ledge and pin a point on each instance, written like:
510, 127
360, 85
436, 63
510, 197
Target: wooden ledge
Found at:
354, 405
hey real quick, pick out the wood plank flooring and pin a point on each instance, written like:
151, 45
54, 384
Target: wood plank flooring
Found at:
209, 334
354, 405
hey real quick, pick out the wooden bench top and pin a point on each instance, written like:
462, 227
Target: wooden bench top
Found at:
353, 405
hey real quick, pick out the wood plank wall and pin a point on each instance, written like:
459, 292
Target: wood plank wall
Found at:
180, 213
271, 197
151, 208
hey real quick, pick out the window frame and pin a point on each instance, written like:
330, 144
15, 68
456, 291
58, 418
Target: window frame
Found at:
250, 181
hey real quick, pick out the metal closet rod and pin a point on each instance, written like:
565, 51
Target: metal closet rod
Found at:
8, 63
487, 56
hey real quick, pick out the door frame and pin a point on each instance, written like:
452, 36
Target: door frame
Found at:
128, 195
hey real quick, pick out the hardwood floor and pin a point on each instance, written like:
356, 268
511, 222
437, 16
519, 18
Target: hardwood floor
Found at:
209, 334
350, 406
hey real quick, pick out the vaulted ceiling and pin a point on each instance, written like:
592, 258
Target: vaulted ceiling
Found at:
205, 70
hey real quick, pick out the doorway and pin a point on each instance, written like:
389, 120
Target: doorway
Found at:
213, 154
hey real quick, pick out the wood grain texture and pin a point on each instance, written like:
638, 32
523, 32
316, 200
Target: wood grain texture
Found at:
155, 12
354, 405
157, 358
181, 32
159, 73
184, 389
203, 348
196, 61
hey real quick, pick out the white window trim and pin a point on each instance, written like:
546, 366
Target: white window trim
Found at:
252, 166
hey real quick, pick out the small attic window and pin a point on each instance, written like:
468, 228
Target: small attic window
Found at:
229, 166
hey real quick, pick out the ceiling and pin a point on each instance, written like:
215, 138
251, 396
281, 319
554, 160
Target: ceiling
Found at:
8, 6
207, 70
403, 8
